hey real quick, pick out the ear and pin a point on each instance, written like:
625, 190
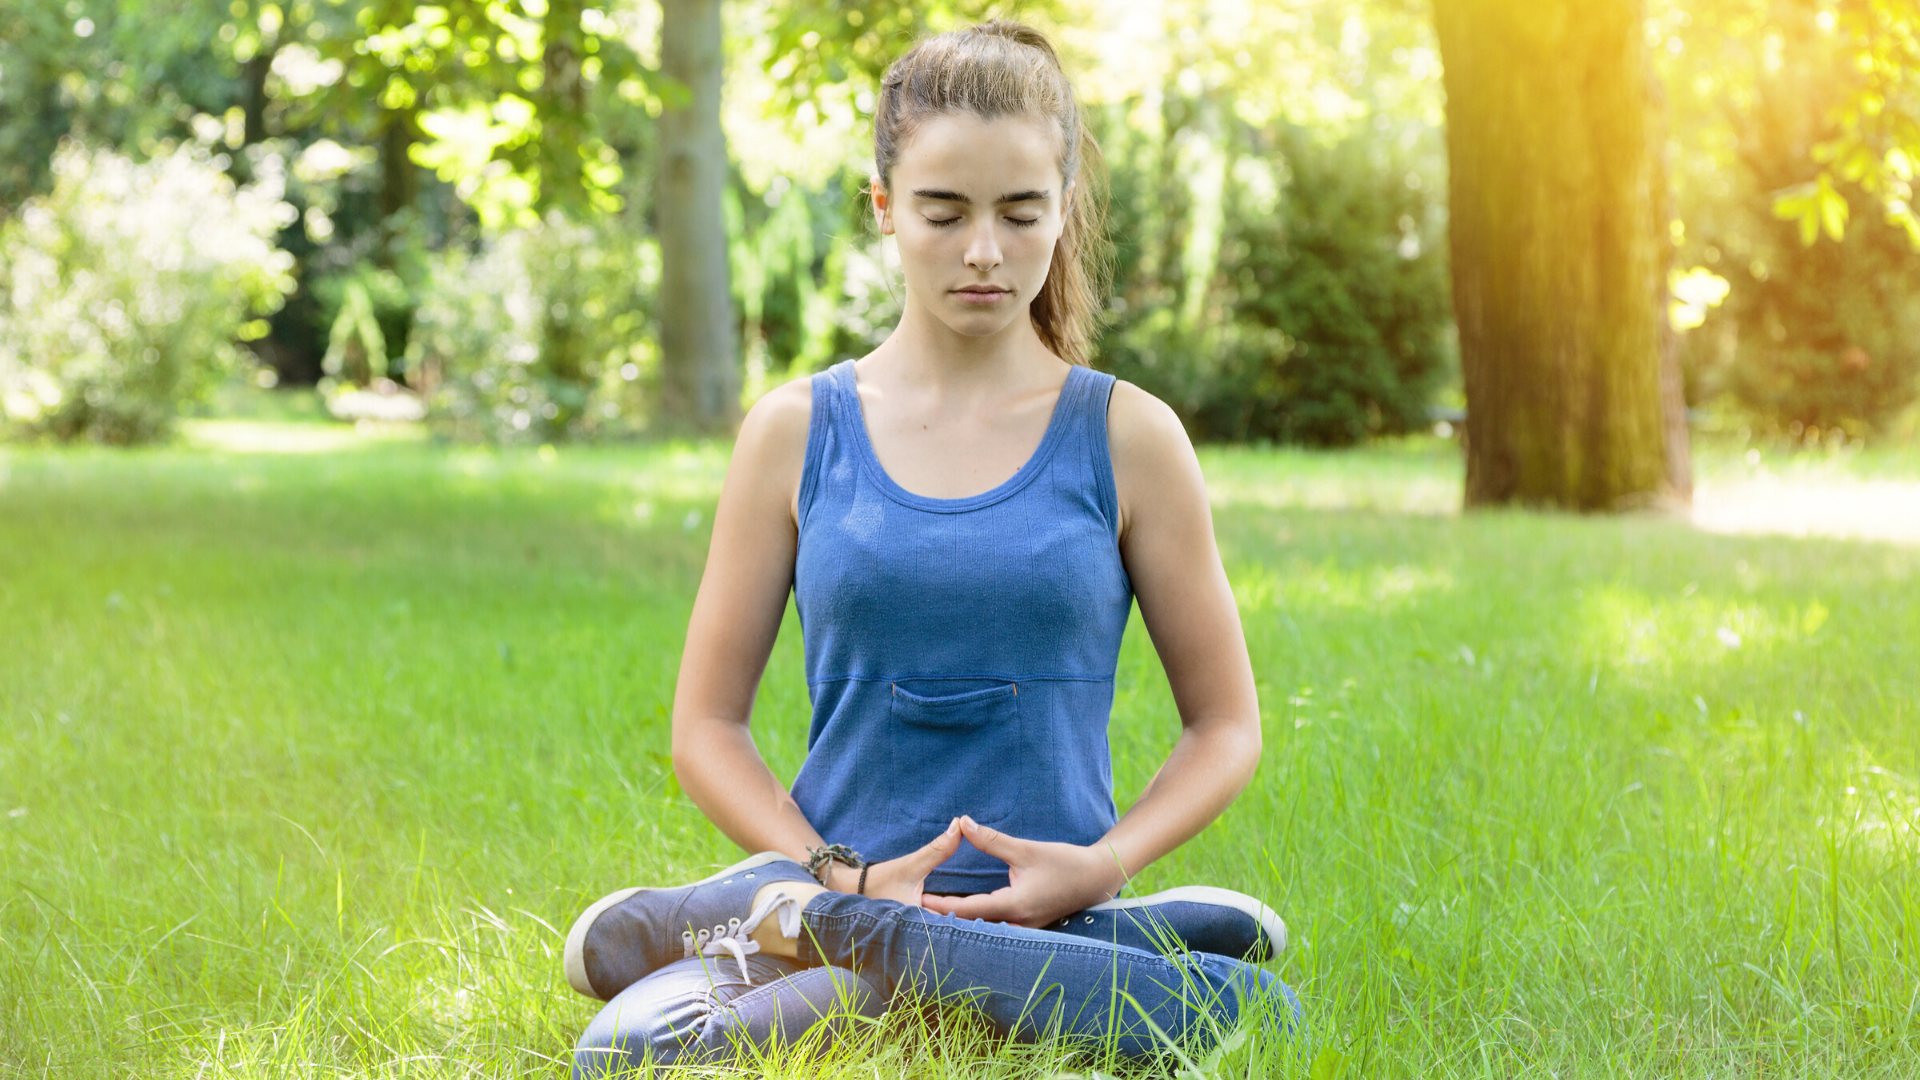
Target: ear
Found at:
882, 210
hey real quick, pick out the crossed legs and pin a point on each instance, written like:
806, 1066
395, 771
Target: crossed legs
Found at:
855, 953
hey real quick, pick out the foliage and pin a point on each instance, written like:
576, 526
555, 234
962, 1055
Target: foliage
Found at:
1279, 209
1323, 321
1872, 139
816, 46
1843, 354
1525, 807
122, 291
791, 248
410, 128
498, 98
117, 73
541, 336
1819, 336
366, 303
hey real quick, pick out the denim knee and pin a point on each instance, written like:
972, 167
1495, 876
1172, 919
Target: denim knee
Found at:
699, 1010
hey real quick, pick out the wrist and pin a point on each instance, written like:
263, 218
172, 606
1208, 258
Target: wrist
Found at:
1106, 869
843, 878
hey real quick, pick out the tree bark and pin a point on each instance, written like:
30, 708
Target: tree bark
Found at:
699, 341
563, 101
1559, 240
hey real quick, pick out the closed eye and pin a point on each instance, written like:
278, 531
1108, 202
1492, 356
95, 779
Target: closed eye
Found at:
1024, 223
941, 223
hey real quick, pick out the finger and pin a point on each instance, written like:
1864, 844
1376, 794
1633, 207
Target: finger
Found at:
939, 850
996, 906
1007, 849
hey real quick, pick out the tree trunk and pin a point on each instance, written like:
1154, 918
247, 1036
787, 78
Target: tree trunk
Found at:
399, 179
1559, 240
699, 342
253, 76
563, 101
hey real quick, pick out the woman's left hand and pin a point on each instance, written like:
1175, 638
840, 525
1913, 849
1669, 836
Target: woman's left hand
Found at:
1047, 881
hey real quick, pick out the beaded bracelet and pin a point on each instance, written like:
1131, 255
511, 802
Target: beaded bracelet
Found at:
820, 860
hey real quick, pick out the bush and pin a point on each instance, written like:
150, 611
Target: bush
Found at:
1322, 316
123, 291
544, 335
1831, 337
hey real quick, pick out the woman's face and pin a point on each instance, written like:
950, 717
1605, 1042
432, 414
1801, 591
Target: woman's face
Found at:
976, 207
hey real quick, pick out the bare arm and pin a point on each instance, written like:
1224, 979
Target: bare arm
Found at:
736, 617
1167, 544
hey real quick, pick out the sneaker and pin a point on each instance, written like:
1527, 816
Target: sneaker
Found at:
1197, 918
629, 934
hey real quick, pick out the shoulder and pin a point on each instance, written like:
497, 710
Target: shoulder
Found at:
1156, 474
1143, 431
771, 450
775, 428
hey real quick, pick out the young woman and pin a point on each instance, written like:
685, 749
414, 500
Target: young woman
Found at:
964, 517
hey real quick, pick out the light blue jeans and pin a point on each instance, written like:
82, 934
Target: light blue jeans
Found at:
857, 954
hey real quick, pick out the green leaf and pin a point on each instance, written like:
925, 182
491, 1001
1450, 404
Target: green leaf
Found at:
1904, 217
1327, 1065
1833, 210
1801, 204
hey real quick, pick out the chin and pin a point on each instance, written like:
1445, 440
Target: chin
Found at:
980, 323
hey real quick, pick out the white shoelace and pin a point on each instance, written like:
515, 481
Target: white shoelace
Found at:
735, 937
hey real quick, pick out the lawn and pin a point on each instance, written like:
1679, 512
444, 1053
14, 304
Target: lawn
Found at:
308, 759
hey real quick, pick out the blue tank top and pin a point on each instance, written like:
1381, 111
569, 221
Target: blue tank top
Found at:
960, 652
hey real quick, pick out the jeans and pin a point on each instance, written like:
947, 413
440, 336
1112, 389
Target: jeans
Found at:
858, 953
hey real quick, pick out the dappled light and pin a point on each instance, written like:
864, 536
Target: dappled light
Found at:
1520, 779
1646, 639
1259, 589
267, 437
1865, 510
370, 371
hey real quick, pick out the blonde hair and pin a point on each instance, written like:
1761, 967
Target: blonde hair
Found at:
1007, 69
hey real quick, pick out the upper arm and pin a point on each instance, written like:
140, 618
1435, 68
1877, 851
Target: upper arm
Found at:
1167, 544
749, 572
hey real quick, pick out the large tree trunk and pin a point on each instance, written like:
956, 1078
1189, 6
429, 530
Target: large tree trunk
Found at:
699, 342
1559, 243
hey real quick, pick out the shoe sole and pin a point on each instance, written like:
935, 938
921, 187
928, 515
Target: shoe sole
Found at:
1268, 919
576, 960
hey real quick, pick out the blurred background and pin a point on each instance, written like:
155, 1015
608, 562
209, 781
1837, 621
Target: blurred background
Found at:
319, 720
456, 212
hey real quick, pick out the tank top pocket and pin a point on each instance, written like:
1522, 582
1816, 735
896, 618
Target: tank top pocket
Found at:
955, 754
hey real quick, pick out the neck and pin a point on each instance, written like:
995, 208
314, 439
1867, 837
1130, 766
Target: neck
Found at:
933, 352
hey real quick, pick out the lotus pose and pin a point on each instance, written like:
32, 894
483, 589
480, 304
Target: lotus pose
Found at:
965, 518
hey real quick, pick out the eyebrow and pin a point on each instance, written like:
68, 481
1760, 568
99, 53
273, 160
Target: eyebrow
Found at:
956, 197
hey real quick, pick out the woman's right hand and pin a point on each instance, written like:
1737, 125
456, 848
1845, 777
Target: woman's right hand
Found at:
903, 879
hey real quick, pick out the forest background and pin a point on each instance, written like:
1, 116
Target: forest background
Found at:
460, 208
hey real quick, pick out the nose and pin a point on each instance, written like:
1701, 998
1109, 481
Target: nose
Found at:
983, 248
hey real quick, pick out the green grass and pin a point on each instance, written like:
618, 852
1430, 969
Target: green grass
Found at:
306, 760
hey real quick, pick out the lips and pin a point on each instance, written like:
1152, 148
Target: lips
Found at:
981, 295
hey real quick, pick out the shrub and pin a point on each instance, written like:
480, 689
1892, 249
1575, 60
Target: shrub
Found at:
123, 291
1831, 338
543, 335
1322, 316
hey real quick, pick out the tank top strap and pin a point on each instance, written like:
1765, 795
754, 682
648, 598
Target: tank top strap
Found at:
825, 439
1093, 390
833, 444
